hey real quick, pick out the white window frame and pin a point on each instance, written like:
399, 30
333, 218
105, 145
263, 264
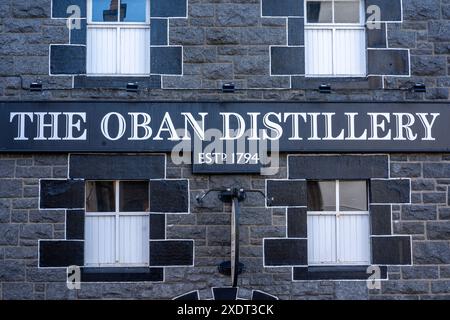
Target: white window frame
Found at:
361, 25
118, 25
117, 214
337, 214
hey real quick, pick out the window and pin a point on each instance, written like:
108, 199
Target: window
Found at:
117, 223
338, 223
335, 40
118, 37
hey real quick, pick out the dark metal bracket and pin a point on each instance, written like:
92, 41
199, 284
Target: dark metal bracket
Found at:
227, 194
234, 196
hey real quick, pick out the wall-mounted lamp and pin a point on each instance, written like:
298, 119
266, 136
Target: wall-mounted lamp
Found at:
36, 86
132, 87
228, 88
419, 87
325, 88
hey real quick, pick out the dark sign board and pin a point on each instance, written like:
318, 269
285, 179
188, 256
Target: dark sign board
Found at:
212, 129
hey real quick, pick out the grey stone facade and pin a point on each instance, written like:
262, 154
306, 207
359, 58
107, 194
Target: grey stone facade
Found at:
427, 219
223, 41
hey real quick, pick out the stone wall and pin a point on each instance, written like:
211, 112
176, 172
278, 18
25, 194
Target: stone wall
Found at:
223, 41
427, 219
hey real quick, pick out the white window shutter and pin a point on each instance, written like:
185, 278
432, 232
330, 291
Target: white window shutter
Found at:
133, 239
118, 50
354, 239
350, 48
319, 51
100, 240
134, 51
102, 50
321, 239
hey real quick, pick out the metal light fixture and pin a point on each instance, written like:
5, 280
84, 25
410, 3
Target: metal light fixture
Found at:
132, 87
419, 87
325, 88
228, 88
36, 86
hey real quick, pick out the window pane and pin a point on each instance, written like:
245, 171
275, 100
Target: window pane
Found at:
134, 196
346, 12
350, 52
319, 12
354, 239
133, 239
134, 51
321, 239
105, 10
100, 196
101, 50
133, 10
319, 51
100, 236
321, 195
353, 196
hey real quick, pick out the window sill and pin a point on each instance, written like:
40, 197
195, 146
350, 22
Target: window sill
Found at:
335, 273
337, 83
116, 81
121, 274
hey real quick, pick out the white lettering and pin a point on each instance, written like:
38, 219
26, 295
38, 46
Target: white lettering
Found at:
144, 125
21, 118
376, 125
71, 125
403, 127
329, 127
227, 134
428, 125
41, 125
167, 125
351, 135
121, 126
198, 129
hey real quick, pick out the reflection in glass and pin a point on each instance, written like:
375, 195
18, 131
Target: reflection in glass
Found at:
105, 10
100, 196
321, 195
353, 196
319, 12
133, 10
108, 10
134, 196
346, 11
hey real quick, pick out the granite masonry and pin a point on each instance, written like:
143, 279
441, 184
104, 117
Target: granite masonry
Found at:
196, 46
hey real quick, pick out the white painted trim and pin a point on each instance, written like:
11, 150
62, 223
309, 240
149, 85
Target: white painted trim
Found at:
226, 287
411, 247
273, 238
341, 280
89, 12
263, 292
286, 221
337, 237
267, 197
114, 154
276, 17
176, 266
189, 195
394, 75
55, 209
394, 203
185, 294
270, 61
169, 74
49, 59
52, 240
